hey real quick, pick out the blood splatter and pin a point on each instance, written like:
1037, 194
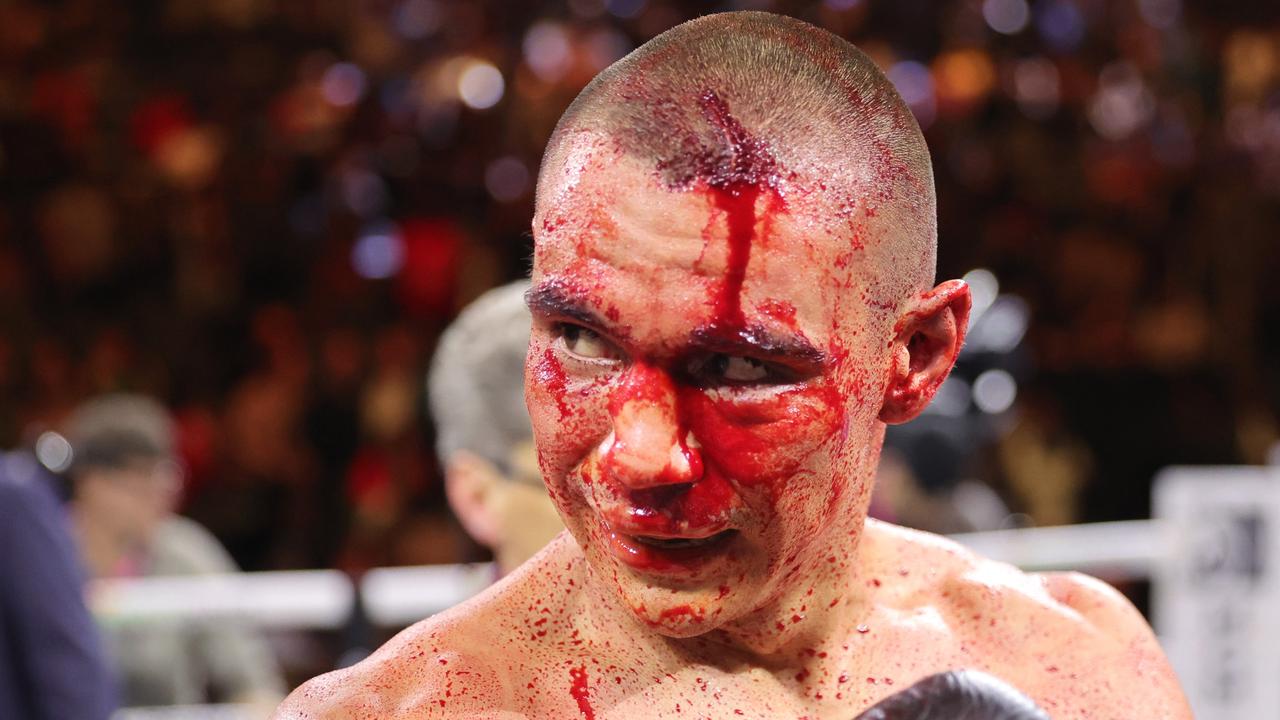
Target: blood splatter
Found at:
578, 689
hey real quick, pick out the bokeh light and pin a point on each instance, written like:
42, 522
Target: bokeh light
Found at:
379, 252
507, 178
1006, 16
915, 84
547, 50
53, 451
1037, 87
1122, 104
343, 84
480, 85
994, 391
1061, 24
416, 19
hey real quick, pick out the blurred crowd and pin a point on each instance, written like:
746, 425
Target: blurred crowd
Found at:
265, 214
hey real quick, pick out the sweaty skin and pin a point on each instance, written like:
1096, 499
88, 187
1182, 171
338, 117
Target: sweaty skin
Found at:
709, 377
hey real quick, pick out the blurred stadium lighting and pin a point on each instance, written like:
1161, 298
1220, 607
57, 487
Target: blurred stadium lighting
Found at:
1007, 17
53, 451
1061, 24
1037, 87
547, 50
604, 46
983, 288
994, 391
625, 9
416, 19
343, 84
480, 85
1123, 104
587, 9
1001, 327
507, 178
915, 84
378, 253
363, 192
952, 399
1162, 14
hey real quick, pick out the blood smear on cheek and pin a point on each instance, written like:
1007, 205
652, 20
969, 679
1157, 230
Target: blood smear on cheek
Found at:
549, 372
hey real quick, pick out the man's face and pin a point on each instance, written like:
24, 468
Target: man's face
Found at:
131, 500
704, 384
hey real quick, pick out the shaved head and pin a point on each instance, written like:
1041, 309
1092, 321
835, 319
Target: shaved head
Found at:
751, 98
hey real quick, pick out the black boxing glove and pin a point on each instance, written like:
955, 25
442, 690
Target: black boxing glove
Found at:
957, 695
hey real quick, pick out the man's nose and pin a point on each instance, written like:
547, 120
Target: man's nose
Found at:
648, 446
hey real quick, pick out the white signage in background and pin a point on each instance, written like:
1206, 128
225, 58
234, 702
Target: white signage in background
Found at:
1216, 595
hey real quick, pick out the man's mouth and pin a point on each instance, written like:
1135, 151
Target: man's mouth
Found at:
682, 543
670, 555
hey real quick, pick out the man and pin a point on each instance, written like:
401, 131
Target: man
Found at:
125, 481
732, 295
52, 665
484, 439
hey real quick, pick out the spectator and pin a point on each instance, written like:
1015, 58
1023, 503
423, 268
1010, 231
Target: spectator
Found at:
125, 481
52, 666
476, 390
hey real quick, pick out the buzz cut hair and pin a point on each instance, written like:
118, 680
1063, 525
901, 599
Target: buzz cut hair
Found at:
815, 115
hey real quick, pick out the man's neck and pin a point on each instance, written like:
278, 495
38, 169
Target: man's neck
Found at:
822, 603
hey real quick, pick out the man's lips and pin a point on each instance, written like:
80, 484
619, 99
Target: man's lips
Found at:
667, 553
657, 525
684, 543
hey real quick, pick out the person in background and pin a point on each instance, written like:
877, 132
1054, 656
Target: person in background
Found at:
485, 441
124, 483
52, 664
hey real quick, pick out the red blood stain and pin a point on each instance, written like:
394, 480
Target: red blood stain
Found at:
550, 373
683, 611
739, 206
780, 310
579, 691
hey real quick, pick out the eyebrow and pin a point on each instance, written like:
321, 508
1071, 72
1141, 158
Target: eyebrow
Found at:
757, 340
554, 299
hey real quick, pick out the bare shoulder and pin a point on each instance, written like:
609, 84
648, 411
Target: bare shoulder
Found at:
424, 672
456, 664
1071, 641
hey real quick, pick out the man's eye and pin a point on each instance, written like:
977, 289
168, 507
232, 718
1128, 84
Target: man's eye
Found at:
586, 343
738, 369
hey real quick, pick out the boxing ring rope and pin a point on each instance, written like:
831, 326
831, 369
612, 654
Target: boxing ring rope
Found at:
325, 599
394, 597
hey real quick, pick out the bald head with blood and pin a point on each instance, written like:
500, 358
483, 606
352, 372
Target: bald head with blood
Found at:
753, 101
732, 295
734, 251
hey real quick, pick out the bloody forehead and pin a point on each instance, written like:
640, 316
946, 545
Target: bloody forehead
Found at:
734, 160
555, 299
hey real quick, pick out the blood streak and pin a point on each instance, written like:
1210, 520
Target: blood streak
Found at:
739, 206
578, 689
551, 374
735, 176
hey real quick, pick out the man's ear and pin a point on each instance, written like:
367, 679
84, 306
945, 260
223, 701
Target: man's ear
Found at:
927, 340
469, 483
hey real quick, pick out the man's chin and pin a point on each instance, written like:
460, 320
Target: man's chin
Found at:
676, 612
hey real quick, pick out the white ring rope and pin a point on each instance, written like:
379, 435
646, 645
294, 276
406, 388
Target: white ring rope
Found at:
324, 599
